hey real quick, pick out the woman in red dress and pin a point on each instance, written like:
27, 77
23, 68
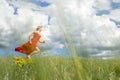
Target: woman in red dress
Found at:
30, 47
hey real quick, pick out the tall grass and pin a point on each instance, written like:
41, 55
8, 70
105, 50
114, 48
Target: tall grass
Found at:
59, 68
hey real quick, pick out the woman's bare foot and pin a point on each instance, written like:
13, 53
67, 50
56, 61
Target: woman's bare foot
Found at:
29, 56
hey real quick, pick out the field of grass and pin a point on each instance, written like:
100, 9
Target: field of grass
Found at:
59, 68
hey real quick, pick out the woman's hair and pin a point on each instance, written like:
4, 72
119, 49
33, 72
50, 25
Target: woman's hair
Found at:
39, 27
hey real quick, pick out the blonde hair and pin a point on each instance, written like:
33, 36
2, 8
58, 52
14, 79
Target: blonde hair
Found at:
39, 27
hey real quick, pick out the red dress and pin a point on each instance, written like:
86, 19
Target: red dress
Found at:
27, 48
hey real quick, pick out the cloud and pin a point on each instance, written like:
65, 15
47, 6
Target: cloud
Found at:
16, 28
115, 14
76, 18
116, 1
102, 4
86, 28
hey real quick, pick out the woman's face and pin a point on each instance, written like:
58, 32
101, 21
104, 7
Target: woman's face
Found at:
40, 29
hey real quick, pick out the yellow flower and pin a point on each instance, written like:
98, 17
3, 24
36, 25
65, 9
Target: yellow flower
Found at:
19, 62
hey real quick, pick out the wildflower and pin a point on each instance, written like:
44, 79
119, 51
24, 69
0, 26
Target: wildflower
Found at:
19, 62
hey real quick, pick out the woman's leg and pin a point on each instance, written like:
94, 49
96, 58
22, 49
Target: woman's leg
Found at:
29, 56
37, 50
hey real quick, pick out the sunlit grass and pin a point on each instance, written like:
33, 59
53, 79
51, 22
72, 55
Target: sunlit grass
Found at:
58, 68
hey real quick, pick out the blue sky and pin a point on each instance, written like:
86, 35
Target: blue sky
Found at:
99, 35
41, 3
115, 5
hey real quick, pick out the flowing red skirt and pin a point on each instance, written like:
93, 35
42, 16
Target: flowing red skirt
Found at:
26, 48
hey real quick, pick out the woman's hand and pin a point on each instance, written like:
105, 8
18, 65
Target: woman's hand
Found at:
42, 41
30, 42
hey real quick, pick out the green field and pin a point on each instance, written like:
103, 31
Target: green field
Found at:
60, 68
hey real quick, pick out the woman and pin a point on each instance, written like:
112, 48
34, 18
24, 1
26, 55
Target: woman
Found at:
30, 47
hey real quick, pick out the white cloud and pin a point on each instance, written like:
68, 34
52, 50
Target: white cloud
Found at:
116, 1
115, 14
104, 32
102, 4
18, 27
76, 17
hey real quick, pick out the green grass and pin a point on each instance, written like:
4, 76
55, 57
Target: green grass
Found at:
60, 68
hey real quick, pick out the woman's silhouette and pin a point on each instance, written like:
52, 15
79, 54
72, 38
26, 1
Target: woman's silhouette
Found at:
30, 47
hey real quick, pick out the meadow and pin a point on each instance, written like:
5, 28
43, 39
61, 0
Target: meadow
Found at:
59, 68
